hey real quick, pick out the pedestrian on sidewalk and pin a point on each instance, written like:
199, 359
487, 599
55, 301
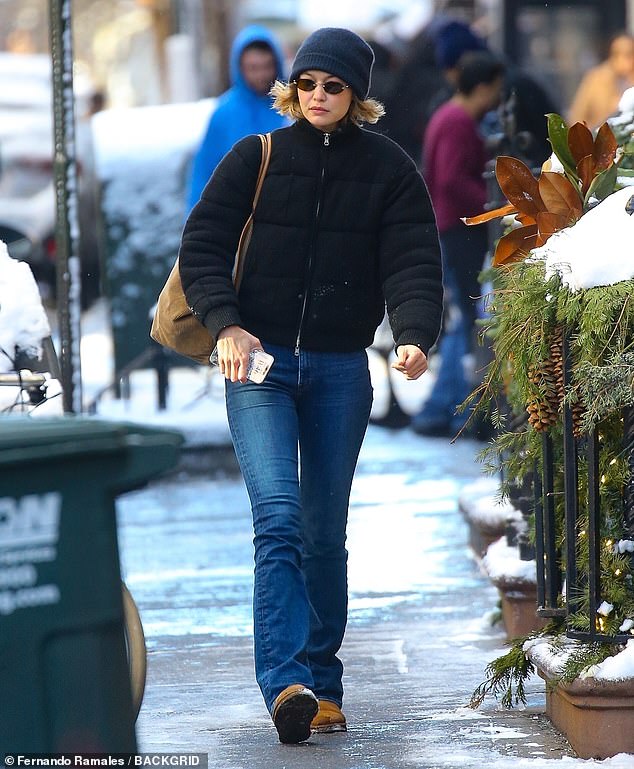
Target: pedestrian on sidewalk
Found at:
598, 95
454, 163
246, 108
344, 226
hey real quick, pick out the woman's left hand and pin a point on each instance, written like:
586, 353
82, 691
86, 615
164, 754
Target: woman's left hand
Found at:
412, 361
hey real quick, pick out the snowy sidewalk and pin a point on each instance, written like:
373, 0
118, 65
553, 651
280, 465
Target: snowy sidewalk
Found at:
418, 640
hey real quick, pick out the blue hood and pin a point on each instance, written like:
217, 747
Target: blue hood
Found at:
252, 34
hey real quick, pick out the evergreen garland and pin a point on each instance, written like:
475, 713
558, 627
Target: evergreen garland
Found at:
506, 676
525, 313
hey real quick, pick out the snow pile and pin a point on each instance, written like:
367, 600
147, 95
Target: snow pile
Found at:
597, 250
123, 137
502, 563
479, 488
552, 659
23, 322
617, 668
547, 656
489, 511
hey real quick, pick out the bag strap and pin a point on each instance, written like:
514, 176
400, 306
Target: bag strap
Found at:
265, 139
245, 236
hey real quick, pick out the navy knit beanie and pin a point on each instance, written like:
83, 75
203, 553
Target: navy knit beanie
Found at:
339, 52
454, 39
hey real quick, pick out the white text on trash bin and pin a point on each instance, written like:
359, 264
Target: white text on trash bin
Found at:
29, 533
30, 520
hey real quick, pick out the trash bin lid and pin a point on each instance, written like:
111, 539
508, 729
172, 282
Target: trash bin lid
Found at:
26, 438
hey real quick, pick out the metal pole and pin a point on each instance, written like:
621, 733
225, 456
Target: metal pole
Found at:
594, 531
552, 555
628, 441
571, 491
540, 555
67, 224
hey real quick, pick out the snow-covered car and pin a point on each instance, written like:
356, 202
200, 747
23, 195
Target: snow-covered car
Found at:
27, 193
27, 203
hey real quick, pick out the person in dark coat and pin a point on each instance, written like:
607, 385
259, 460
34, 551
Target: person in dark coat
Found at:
344, 227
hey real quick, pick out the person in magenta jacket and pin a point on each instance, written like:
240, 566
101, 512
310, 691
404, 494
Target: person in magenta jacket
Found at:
454, 162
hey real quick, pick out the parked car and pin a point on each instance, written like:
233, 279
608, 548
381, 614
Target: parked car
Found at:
27, 192
27, 206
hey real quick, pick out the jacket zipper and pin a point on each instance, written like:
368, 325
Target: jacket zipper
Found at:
311, 258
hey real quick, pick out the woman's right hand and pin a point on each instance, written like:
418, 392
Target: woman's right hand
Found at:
234, 346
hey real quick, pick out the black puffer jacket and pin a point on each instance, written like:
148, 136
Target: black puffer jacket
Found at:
344, 224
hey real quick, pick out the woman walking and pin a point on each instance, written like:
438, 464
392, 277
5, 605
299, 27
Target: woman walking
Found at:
344, 226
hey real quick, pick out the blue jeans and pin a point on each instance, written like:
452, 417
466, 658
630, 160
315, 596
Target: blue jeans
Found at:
297, 438
463, 251
451, 386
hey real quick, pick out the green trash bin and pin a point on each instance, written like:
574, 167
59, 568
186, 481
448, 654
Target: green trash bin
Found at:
64, 678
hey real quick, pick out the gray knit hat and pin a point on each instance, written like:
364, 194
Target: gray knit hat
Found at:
339, 52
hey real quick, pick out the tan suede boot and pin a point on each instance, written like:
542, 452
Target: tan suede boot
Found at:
293, 710
329, 718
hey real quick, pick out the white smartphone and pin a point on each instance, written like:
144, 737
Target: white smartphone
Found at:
260, 363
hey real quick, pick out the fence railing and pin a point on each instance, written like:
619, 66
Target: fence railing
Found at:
565, 575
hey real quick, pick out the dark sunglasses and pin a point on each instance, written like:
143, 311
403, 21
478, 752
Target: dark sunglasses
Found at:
332, 87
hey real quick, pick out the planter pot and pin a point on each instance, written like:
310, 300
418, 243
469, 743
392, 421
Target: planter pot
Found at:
486, 517
596, 716
481, 535
519, 607
515, 580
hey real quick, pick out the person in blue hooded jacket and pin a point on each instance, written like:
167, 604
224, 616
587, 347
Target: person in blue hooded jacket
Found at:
246, 108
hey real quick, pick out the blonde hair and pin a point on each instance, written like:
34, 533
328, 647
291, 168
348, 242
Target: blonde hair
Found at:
286, 102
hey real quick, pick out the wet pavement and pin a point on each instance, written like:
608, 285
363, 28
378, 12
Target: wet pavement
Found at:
419, 633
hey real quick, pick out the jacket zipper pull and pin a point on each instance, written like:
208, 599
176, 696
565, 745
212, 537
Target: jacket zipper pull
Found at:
326, 140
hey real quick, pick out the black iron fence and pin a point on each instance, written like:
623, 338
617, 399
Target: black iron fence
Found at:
569, 575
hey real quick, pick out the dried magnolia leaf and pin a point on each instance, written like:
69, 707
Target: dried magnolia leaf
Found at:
560, 195
605, 146
515, 245
585, 169
547, 224
519, 185
489, 215
580, 142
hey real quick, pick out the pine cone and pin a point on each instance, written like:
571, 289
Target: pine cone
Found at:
556, 347
548, 379
541, 415
577, 416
